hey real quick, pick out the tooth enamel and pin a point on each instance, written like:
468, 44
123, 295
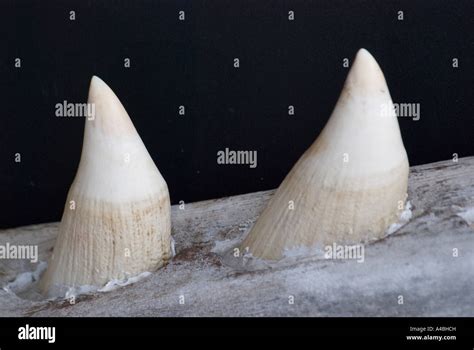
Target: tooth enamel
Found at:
351, 184
116, 221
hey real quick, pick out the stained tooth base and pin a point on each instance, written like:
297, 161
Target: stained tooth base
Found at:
110, 240
354, 211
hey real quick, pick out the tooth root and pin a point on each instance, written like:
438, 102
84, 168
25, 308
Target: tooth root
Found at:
349, 186
116, 220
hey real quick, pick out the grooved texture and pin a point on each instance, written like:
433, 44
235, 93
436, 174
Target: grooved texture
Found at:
110, 241
416, 261
351, 184
116, 221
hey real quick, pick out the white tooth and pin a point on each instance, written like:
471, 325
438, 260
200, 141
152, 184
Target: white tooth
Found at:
116, 220
351, 184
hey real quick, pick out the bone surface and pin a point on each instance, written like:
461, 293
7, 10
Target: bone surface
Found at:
418, 261
351, 184
116, 221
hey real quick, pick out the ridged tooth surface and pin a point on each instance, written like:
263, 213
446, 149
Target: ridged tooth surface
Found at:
110, 240
336, 201
116, 221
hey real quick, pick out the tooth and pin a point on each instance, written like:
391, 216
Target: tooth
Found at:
116, 222
351, 184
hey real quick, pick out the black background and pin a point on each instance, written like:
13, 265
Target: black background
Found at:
338, 332
190, 63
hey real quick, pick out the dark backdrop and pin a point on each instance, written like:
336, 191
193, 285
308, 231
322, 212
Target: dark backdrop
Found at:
191, 63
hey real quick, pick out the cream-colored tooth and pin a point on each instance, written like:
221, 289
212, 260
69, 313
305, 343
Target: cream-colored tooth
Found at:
351, 184
116, 221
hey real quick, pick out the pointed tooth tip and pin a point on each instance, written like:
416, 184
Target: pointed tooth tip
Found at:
364, 53
111, 116
365, 59
95, 78
365, 71
97, 83
101, 94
